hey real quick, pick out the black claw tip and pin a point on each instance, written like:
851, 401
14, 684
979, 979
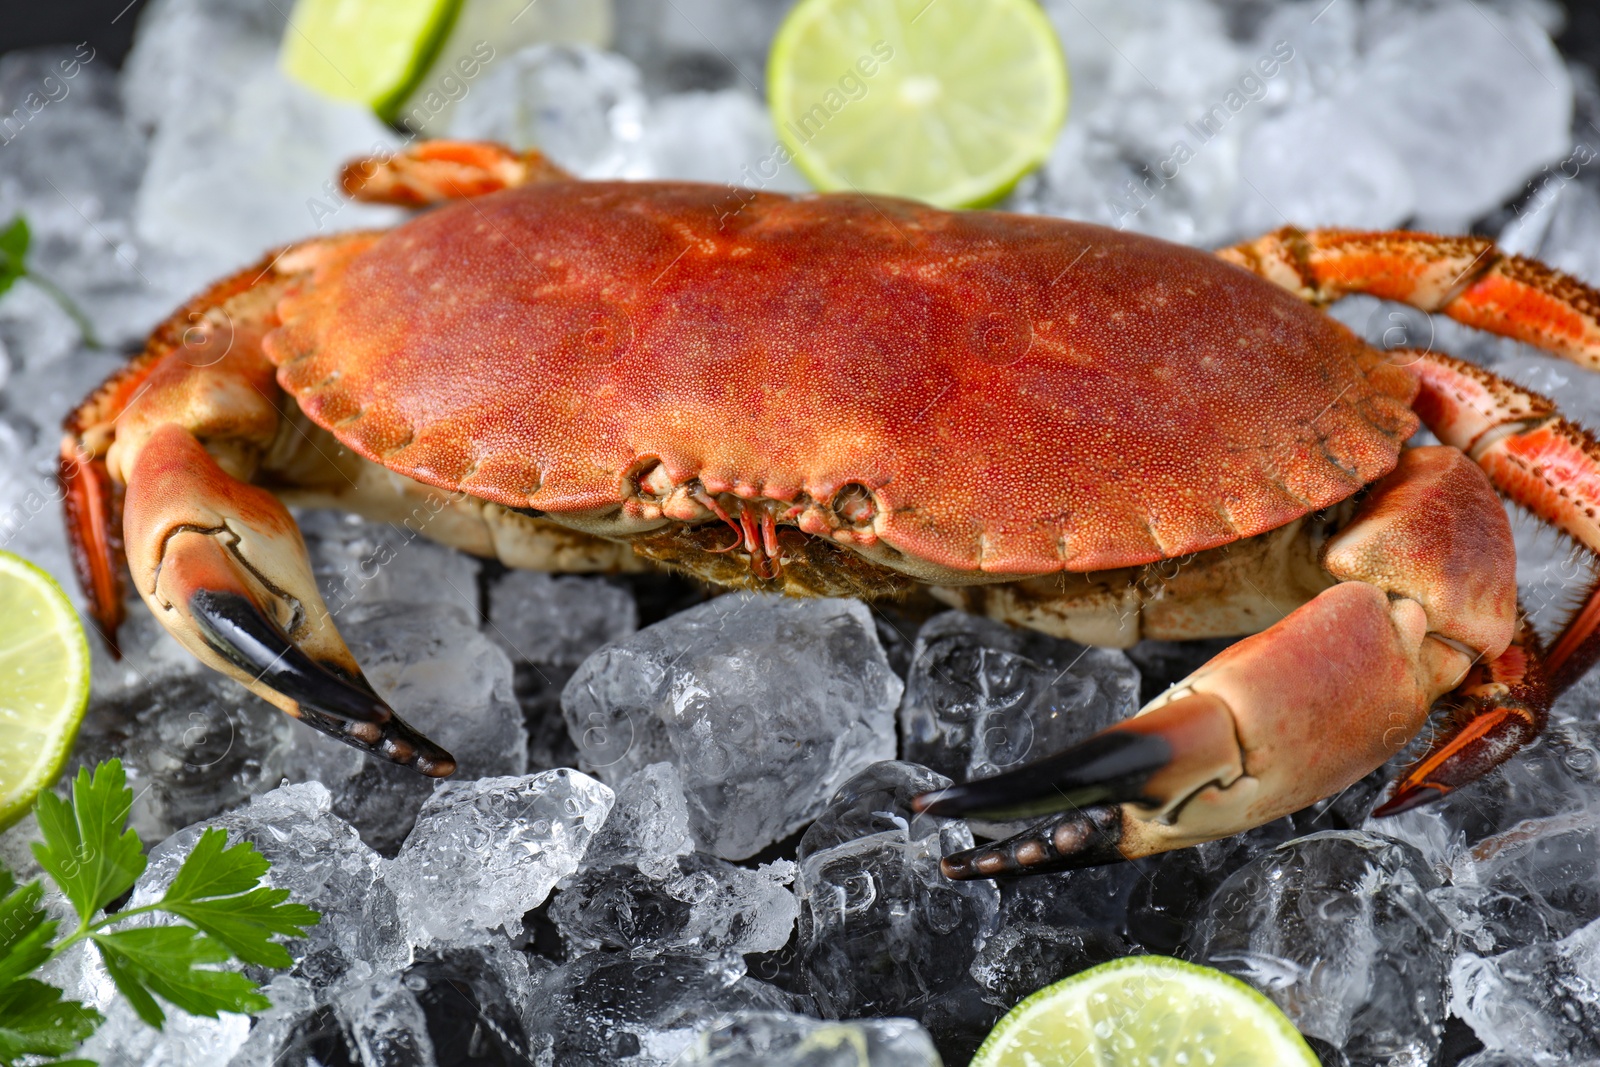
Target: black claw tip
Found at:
1110, 767
1087, 837
340, 706
240, 632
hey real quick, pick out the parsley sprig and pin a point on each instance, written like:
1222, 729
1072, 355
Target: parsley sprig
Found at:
91, 855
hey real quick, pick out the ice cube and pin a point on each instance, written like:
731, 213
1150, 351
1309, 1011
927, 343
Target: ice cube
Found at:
723, 136
1438, 79
581, 106
274, 1031
386, 1023
364, 566
548, 625
1558, 773
1025, 957
241, 159
485, 852
778, 1039
1172, 895
648, 827
610, 1007
1538, 881
558, 621
983, 697
1337, 929
448, 680
765, 704
882, 931
705, 905
472, 998
875, 801
194, 746
1540, 1002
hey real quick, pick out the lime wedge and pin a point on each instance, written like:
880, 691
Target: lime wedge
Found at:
1143, 1010
44, 683
370, 51
945, 101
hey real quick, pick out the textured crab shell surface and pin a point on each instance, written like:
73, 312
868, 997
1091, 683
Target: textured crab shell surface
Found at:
979, 392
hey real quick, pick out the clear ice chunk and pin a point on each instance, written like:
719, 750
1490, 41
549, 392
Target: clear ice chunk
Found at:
485, 852
648, 827
193, 745
706, 905
1540, 1002
1337, 929
877, 800
611, 1007
779, 1039
983, 697
765, 704
581, 106
882, 931
1022, 958
324, 864
548, 625
386, 1023
558, 621
1438, 78
363, 566
1538, 881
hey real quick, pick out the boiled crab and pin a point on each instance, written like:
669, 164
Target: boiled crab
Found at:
1092, 433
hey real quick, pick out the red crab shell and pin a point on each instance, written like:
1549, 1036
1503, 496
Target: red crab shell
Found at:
1020, 395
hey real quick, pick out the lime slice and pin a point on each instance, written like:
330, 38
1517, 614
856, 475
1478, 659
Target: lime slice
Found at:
1143, 1010
44, 683
946, 101
370, 51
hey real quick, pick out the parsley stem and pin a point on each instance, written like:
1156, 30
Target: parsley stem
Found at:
87, 927
67, 304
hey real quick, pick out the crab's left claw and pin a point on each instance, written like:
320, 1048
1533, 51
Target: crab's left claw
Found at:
222, 566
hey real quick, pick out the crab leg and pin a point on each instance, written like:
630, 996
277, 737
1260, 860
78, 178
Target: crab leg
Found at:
433, 172
1294, 713
220, 562
1534, 456
1466, 278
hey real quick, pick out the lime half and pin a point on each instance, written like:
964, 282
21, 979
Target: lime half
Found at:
1143, 1010
44, 683
945, 101
370, 51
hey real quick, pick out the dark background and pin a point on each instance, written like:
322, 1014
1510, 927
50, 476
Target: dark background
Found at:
108, 25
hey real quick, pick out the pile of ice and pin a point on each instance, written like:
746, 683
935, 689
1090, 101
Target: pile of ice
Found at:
692, 842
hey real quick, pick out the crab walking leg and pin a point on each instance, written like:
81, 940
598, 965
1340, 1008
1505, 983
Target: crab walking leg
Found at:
1466, 278
433, 172
1289, 715
219, 562
1536, 458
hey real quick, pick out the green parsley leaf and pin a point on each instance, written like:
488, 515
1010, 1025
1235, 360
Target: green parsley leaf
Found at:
216, 890
35, 1020
85, 850
168, 962
14, 241
25, 936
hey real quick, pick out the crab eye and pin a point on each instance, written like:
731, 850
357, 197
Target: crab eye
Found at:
854, 504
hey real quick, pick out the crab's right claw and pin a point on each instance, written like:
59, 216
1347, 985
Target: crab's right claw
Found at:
222, 566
